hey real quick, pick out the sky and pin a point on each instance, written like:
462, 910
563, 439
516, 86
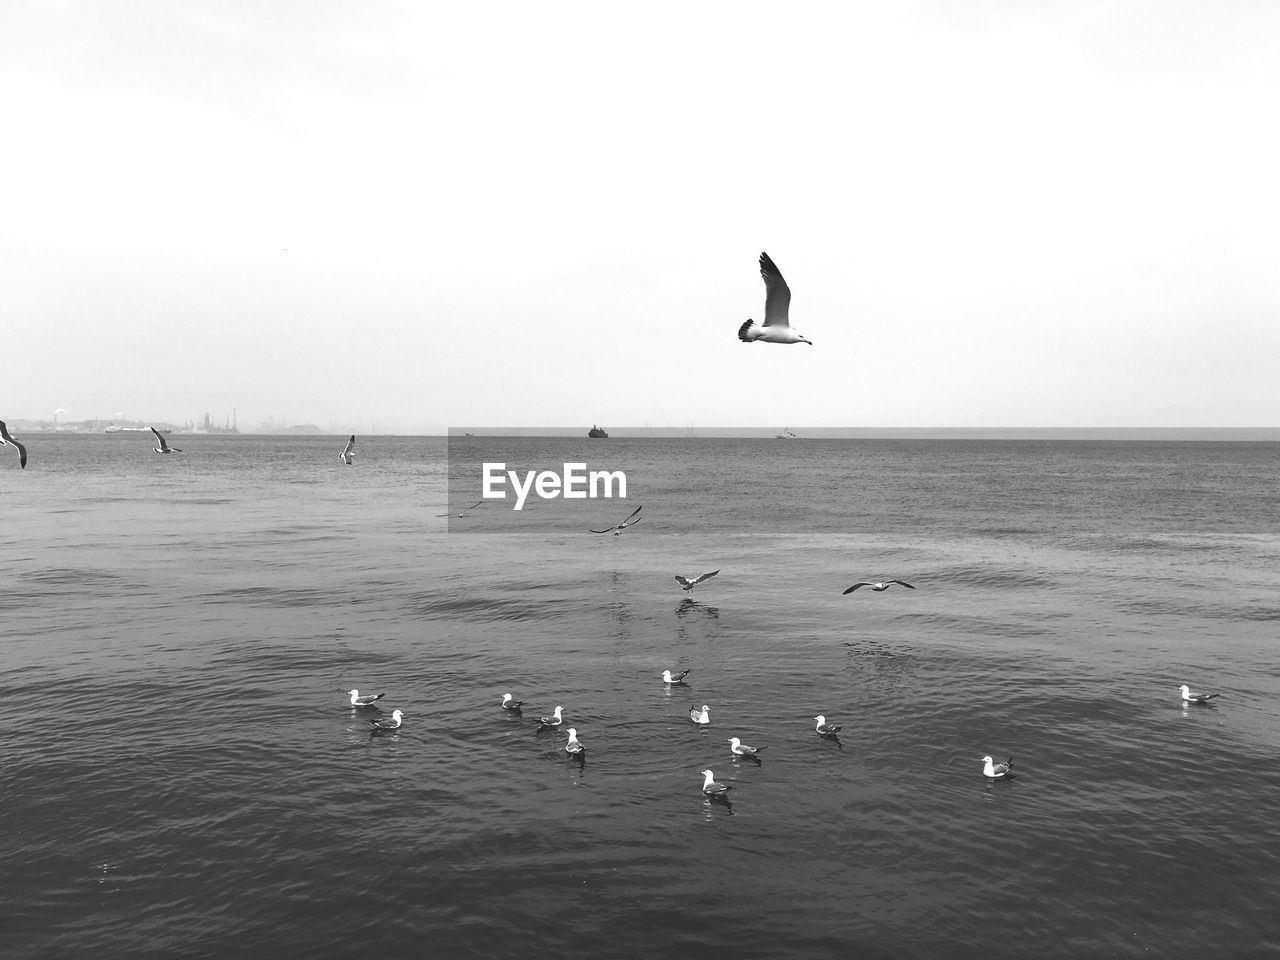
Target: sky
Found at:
403, 216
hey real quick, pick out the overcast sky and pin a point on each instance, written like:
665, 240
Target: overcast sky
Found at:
415, 215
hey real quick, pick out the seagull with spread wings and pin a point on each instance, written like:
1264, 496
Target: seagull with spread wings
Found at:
878, 587
617, 529
349, 450
464, 510
777, 328
164, 444
688, 584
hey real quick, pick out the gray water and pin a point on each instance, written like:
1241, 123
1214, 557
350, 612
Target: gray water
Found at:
184, 776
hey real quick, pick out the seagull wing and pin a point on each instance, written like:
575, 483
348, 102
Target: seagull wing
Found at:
903, 583
346, 451
684, 581
860, 583
606, 530
705, 576
163, 444
777, 300
5, 438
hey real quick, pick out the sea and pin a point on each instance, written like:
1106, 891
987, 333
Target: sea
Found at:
184, 776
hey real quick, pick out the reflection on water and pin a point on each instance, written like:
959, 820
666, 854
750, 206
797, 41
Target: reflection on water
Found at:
688, 607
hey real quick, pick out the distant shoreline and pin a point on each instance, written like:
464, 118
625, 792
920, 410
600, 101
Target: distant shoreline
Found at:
1167, 434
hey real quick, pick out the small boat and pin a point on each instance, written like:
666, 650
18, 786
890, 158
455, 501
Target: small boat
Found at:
596, 433
786, 434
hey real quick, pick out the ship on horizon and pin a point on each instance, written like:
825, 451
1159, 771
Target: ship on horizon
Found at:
786, 434
597, 433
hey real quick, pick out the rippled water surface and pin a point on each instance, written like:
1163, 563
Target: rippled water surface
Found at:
184, 777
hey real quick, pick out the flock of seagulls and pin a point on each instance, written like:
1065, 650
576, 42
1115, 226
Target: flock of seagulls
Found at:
776, 328
347, 455
379, 724
701, 716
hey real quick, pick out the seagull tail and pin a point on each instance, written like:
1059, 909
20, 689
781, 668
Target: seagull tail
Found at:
744, 332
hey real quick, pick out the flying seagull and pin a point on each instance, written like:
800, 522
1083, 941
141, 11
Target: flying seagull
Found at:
777, 302
554, 720
509, 704
6, 439
713, 789
824, 729
878, 587
574, 748
700, 716
688, 584
740, 749
164, 444
632, 519
1190, 697
464, 511
349, 450
668, 677
382, 723
996, 770
368, 701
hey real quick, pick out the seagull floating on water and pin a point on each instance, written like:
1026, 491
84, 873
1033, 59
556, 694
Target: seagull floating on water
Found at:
574, 748
777, 303
368, 701
878, 587
465, 510
6, 439
688, 584
510, 704
713, 789
740, 749
554, 720
996, 770
1190, 697
700, 716
164, 444
349, 450
382, 723
677, 678
824, 729
617, 529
